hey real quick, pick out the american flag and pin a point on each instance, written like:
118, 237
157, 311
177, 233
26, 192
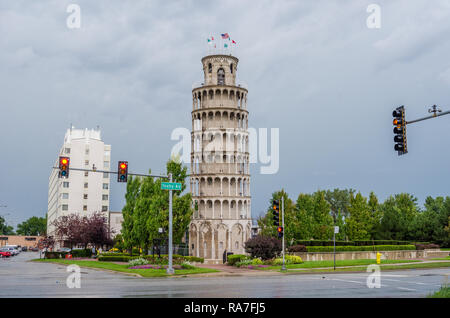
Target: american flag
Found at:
225, 36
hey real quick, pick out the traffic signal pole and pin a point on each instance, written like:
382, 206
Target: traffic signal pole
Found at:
114, 172
283, 267
428, 117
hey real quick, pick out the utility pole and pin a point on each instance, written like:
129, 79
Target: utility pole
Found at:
283, 267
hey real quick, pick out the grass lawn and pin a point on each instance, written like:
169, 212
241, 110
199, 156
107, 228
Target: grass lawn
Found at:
124, 268
445, 249
441, 259
383, 267
353, 262
444, 292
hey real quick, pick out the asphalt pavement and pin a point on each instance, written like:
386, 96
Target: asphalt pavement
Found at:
21, 278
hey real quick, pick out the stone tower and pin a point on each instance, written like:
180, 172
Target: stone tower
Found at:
220, 173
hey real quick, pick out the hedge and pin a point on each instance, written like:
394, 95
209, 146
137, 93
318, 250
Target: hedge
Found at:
52, 255
164, 259
350, 243
360, 248
81, 253
232, 259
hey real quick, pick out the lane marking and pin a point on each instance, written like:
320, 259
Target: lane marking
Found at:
408, 289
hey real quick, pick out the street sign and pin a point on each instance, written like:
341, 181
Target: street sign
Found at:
336, 229
170, 186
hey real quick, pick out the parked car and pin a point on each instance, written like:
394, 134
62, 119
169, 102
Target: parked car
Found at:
9, 249
16, 248
5, 254
34, 249
24, 248
64, 249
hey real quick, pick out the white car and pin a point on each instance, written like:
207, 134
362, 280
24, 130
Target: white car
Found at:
10, 249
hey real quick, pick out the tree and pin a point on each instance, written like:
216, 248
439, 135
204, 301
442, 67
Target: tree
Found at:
69, 228
339, 201
147, 208
266, 223
33, 226
263, 247
5, 229
96, 230
399, 213
129, 237
358, 224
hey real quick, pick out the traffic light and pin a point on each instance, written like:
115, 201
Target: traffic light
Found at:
64, 167
400, 130
122, 174
276, 212
280, 231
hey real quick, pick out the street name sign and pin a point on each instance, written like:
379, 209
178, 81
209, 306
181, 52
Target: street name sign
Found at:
170, 186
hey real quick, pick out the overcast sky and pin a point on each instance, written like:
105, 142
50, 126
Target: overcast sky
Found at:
313, 68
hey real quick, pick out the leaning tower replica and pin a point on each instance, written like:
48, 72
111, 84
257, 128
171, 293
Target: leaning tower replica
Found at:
220, 173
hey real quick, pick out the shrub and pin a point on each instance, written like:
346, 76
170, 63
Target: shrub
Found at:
257, 261
115, 258
81, 253
194, 259
244, 262
426, 246
233, 259
137, 261
360, 248
289, 259
187, 265
53, 255
297, 249
263, 247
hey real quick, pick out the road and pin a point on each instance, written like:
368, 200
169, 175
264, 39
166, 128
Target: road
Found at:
19, 278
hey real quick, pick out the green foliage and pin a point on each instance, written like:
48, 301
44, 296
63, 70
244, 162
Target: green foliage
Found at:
33, 226
289, 259
360, 248
263, 247
5, 229
116, 258
233, 259
81, 253
147, 209
53, 255
444, 292
137, 261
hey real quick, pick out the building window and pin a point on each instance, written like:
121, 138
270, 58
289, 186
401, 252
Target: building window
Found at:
65, 184
231, 68
106, 164
67, 150
65, 207
107, 153
86, 162
84, 207
105, 175
85, 196
220, 77
104, 197
87, 151
209, 68
65, 195
104, 208
85, 185
86, 173
237, 245
105, 186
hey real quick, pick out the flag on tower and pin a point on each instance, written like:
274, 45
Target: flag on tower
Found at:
225, 36
233, 41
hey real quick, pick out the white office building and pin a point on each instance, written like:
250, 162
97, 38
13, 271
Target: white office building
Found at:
81, 192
